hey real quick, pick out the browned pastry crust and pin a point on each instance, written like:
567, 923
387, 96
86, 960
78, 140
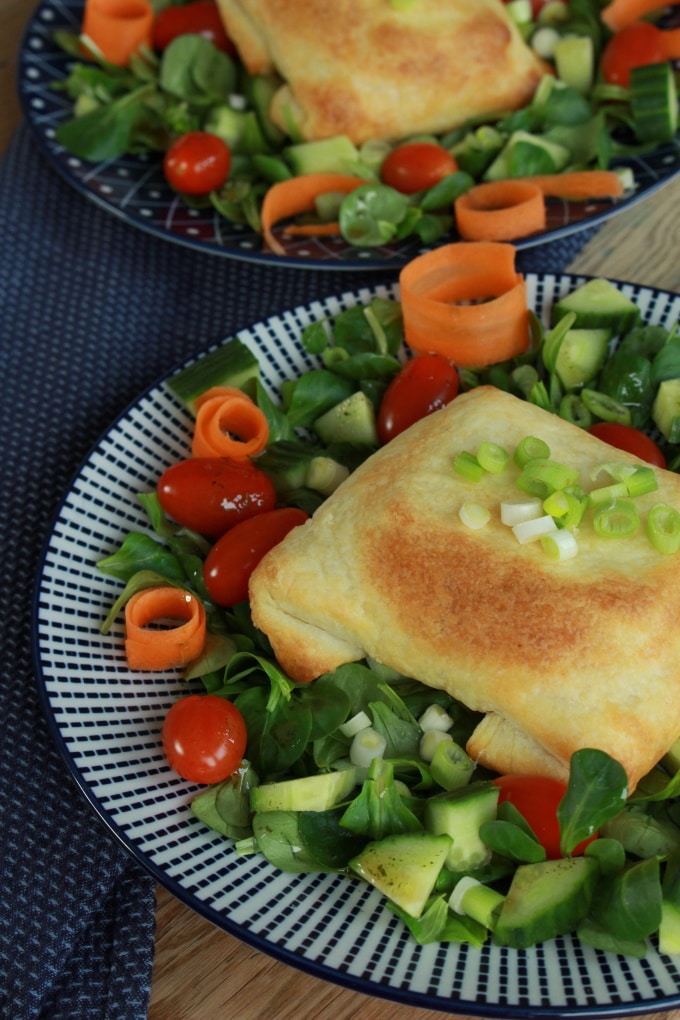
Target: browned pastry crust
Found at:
365, 69
558, 655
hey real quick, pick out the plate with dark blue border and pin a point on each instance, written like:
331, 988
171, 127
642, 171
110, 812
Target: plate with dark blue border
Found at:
106, 721
134, 189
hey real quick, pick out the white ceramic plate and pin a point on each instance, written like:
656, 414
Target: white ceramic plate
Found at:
106, 721
133, 188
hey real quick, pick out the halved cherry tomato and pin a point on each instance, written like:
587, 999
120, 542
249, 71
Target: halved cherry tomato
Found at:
235, 555
197, 163
425, 383
212, 494
204, 738
416, 166
635, 45
201, 17
625, 437
537, 799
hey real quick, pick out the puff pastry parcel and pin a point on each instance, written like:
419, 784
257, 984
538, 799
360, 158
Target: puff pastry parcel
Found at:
583, 652
366, 69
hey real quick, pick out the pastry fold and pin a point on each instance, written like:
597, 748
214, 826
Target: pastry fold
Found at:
558, 656
365, 69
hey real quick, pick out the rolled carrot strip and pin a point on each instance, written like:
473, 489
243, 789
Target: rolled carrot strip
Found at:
500, 211
220, 391
296, 195
491, 325
312, 229
229, 426
118, 28
620, 13
579, 185
172, 644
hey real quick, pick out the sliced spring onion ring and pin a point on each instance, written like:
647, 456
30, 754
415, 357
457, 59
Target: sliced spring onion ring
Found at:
435, 718
358, 722
557, 504
561, 545
530, 448
493, 457
663, 528
366, 745
604, 407
542, 476
467, 465
608, 493
530, 531
429, 742
474, 515
617, 519
515, 511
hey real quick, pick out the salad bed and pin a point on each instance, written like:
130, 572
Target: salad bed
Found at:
145, 107
294, 731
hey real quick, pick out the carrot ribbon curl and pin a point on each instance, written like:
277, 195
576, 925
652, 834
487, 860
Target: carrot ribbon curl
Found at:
172, 644
466, 302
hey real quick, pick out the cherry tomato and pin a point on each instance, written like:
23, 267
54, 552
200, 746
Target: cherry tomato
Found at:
635, 45
537, 799
416, 166
201, 17
197, 163
425, 383
204, 738
625, 437
235, 555
212, 494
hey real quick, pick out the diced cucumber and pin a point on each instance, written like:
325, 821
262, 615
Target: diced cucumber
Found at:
575, 61
550, 157
598, 304
581, 355
350, 421
327, 155
404, 867
460, 814
546, 900
666, 409
203, 806
232, 364
654, 102
308, 793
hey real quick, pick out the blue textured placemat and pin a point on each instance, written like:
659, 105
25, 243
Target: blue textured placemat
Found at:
91, 312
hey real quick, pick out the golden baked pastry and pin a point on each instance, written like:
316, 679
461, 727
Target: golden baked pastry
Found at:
365, 69
583, 652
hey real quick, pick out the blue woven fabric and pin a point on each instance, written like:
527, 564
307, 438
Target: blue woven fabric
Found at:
91, 312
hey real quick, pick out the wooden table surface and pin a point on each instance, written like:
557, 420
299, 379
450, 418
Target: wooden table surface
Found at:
200, 973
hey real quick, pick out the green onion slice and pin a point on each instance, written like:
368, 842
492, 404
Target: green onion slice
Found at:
608, 493
604, 407
474, 515
663, 528
467, 465
493, 457
542, 476
560, 545
530, 448
617, 519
